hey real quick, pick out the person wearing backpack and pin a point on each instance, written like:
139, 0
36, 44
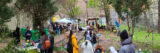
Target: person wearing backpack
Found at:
44, 43
99, 49
42, 40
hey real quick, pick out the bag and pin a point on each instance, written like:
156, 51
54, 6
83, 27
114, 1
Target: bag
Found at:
98, 51
69, 47
47, 43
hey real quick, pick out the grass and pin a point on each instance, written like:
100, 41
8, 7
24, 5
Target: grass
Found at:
140, 36
82, 25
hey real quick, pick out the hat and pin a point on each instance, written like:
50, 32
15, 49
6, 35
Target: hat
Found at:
124, 35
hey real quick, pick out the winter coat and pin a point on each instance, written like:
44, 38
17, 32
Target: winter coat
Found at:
51, 38
75, 45
87, 47
93, 39
127, 46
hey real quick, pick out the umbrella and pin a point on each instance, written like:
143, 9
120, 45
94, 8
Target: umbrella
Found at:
64, 21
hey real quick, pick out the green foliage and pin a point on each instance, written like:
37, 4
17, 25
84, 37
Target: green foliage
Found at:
70, 8
118, 6
5, 11
74, 12
11, 48
93, 3
140, 36
40, 10
105, 4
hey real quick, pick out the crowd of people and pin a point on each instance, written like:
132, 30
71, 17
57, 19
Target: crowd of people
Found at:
90, 45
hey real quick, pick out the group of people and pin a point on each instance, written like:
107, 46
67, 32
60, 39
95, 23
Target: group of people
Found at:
46, 42
90, 46
58, 28
90, 40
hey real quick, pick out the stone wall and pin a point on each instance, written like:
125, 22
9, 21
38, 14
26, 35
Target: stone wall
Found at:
24, 21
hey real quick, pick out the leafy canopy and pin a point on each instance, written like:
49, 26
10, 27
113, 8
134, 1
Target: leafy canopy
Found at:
5, 11
40, 10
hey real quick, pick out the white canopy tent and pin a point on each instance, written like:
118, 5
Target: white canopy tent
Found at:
64, 21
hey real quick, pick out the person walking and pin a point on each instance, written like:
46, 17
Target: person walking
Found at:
127, 46
87, 47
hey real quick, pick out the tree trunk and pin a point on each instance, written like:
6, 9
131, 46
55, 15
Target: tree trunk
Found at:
106, 9
128, 24
133, 24
159, 16
147, 21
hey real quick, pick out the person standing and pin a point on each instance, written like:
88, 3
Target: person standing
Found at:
72, 48
87, 34
28, 34
51, 39
127, 46
16, 34
93, 39
87, 47
42, 41
75, 44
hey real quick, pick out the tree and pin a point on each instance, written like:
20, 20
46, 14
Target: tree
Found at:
5, 14
40, 10
5, 11
159, 16
134, 8
70, 8
118, 7
145, 9
106, 10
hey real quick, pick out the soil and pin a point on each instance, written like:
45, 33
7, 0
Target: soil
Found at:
4, 43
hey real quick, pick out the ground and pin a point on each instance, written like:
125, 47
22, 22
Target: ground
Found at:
106, 40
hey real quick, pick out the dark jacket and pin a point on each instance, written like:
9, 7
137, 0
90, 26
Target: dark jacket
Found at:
51, 38
28, 32
93, 39
127, 46
16, 34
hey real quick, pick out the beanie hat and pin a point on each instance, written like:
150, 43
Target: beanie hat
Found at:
124, 35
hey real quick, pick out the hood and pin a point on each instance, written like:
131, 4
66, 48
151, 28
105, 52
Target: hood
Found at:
127, 41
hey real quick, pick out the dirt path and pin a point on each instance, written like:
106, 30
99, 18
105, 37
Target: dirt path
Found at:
4, 42
108, 42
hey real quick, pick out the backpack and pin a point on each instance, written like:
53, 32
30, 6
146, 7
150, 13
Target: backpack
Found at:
98, 51
47, 43
69, 47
